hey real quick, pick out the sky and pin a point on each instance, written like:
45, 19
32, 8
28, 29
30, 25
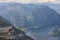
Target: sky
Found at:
32, 1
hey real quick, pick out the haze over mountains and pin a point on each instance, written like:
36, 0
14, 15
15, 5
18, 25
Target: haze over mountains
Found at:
29, 15
56, 7
37, 17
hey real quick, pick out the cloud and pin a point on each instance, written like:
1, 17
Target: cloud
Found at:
31, 1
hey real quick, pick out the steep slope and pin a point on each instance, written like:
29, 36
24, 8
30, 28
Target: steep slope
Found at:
30, 15
43, 18
4, 22
56, 7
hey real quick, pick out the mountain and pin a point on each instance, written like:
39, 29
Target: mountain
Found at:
39, 19
56, 7
44, 17
4, 22
29, 15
